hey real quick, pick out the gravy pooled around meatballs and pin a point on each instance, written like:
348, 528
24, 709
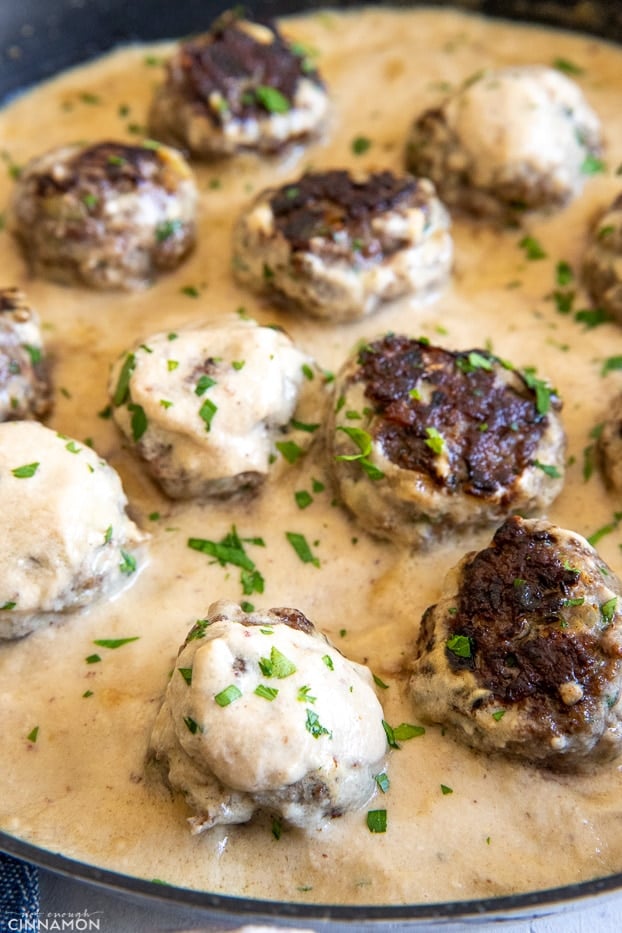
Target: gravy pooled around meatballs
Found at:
262, 713
25, 390
65, 537
212, 409
423, 441
602, 263
523, 652
239, 86
337, 247
507, 140
108, 215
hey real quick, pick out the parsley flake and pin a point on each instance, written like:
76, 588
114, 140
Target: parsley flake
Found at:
25, 471
227, 696
377, 821
301, 547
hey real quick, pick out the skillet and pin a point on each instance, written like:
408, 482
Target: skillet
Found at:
39, 38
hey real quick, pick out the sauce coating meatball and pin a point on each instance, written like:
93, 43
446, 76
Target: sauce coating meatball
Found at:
337, 247
510, 139
208, 409
523, 652
24, 381
238, 86
610, 446
65, 537
602, 263
262, 713
108, 215
424, 440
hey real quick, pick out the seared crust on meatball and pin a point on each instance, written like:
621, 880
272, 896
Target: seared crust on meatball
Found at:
523, 652
108, 215
214, 410
602, 264
65, 537
238, 86
424, 440
337, 247
263, 713
510, 139
610, 446
25, 390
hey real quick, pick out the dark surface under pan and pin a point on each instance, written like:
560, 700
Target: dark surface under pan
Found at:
41, 37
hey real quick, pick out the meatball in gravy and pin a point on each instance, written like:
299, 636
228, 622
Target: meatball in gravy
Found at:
208, 408
25, 390
239, 86
602, 263
262, 713
509, 139
65, 537
423, 440
523, 652
109, 215
337, 247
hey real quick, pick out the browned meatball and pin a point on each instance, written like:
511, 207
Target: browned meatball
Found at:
602, 264
24, 378
108, 215
523, 652
238, 86
510, 139
610, 446
425, 440
337, 247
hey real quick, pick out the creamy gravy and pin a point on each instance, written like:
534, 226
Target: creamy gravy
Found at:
81, 788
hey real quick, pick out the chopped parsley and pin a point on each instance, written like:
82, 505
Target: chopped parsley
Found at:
289, 450
186, 673
607, 610
191, 725
122, 389
592, 165
379, 683
25, 471
607, 529
206, 412
543, 390
113, 643
33, 734
301, 547
377, 821
328, 661
277, 828
382, 780
277, 665
360, 145
227, 696
93, 659
532, 248
446, 790
139, 422
460, 645
304, 695
611, 364
128, 563
230, 550
167, 229
303, 498
10, 604
548, 469
434, 440
473, 361
271, 99
363, 441
498, 714
190, 290
307, 427
205, 382
567, 67
314, 726
267, 693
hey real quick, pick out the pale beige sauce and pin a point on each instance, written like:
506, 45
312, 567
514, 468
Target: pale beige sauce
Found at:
80, 788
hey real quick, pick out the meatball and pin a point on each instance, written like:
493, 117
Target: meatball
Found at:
523, 652
238, 86
337, 247
24, 381
423, 440
602, 264
263, 713
510, 139
209, 410
610, 446
65, 537
107, 216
